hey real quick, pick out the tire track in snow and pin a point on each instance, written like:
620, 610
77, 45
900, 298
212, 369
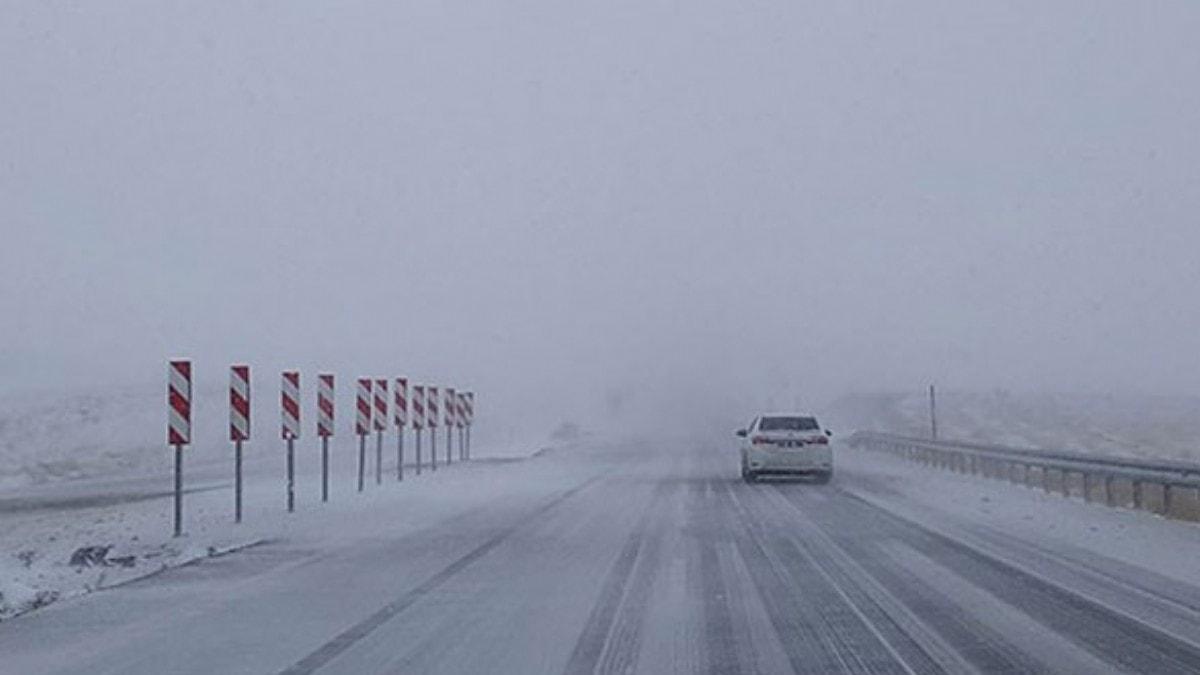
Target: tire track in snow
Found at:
720, 650
954, 625
348, 638
818, 630
609, 640
1118, 638
911, 641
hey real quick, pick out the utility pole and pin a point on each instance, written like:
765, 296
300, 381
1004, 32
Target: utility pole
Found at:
933, 412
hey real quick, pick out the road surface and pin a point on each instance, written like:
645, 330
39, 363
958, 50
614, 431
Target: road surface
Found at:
633, 557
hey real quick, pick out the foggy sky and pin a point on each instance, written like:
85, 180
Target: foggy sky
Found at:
567, 205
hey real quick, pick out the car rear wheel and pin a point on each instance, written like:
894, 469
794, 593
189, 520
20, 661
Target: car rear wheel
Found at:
823, 477
748, 475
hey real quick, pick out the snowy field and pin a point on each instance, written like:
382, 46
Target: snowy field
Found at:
48, 437
1134, 426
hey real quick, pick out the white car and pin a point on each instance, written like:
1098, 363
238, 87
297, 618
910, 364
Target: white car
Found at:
786, 444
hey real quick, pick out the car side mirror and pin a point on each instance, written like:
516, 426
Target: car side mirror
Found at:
742, 433
829, 433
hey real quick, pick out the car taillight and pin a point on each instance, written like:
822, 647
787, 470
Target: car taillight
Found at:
760, 440
819, 440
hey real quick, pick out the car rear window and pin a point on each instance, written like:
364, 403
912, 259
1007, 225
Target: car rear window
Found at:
789, 424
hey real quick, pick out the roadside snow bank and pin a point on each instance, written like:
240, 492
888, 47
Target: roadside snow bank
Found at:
73, 544
947, 501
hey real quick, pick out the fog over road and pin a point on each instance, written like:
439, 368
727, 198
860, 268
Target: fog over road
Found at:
634, 557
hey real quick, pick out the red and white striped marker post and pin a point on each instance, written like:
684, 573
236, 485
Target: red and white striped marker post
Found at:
362, 424
381, 423
289, 401
449, 412
400, 418
470, 419
431, 421
179, 425
458, 420
460, 412
239, 428
325, 426
418, 418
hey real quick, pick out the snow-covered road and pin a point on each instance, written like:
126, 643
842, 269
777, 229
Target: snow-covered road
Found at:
654, 558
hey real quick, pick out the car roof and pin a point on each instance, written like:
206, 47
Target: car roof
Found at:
786, 414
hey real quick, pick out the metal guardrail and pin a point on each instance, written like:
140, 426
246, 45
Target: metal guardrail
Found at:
1175, 484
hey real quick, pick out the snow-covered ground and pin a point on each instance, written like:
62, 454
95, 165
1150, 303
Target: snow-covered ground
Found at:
650, 554
1137, 426
954, 504
83, 502
80, 536
85, 482
50, 436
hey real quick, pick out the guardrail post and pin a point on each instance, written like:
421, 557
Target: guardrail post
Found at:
1109, 497
1066, 483
1045, 478
1166, 504
1087, 487
1137, 494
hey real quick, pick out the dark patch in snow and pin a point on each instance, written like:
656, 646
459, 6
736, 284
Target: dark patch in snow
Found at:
90, 556
567, 431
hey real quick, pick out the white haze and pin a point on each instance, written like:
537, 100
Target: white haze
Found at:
604, 210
